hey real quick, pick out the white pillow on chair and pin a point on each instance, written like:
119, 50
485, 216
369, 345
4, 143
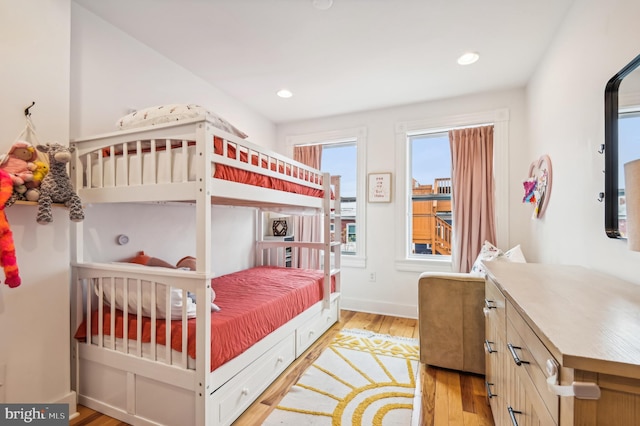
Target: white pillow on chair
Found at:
491, 252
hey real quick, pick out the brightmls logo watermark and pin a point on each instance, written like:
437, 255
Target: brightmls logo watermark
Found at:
34, 414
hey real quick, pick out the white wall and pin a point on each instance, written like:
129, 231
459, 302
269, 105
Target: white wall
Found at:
566, 116
395, 292
112, 72
168, 232
34, 318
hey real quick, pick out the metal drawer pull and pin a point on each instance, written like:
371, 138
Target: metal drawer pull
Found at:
515, 356
490, 304
488, 344
512, 414
489, 393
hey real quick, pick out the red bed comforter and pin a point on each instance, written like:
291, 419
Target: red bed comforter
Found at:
234, 174
253, 303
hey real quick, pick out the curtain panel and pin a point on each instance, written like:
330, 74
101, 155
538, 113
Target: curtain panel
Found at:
473, 193
308, 228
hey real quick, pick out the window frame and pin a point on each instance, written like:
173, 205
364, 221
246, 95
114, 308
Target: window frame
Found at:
359, 135
405, 261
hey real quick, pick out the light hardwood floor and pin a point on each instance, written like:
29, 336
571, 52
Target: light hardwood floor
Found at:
448, 398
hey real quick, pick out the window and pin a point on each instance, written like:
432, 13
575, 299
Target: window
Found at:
431, 134
431, 225
349, 246
340, 159
343, 153
628, 149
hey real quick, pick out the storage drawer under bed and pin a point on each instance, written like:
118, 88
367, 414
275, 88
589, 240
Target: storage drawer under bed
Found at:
235, 396
315, 327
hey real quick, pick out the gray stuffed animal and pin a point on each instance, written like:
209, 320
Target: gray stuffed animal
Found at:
56, 187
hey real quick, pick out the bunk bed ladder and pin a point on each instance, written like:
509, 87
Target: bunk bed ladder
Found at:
331, 257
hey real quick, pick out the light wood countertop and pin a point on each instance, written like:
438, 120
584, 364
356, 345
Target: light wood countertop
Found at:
587, 319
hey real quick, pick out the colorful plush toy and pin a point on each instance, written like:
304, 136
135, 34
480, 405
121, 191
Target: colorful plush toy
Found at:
7, 247
39, 173
33, 191
19, 163
56, 186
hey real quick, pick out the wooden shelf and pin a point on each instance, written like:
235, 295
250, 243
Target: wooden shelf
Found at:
35, 203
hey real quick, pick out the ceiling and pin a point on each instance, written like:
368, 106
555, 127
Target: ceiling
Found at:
357, 55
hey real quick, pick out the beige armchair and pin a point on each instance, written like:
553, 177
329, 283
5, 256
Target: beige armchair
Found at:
451, 321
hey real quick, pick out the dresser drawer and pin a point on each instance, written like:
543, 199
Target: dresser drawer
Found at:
494, 305
244, 388
522, 404
524, 346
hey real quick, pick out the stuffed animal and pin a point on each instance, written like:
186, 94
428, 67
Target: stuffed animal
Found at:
7, 247
39, 173
41, 170
19, 163
56, 186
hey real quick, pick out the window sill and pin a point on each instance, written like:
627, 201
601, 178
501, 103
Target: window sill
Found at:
423, 265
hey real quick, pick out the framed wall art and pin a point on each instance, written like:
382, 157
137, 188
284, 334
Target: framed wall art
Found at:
379, 187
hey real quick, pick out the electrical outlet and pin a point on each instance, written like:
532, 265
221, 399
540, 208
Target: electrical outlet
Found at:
372, 276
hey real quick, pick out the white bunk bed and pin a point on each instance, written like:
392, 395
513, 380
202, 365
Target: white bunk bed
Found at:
146, 381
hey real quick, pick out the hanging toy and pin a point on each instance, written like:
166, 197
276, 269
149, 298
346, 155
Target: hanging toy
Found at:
56, 187
7, 248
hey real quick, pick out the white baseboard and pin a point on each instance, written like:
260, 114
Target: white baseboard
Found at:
391, 309
70, 399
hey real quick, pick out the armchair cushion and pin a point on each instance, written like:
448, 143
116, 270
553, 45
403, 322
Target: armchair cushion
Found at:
451, 321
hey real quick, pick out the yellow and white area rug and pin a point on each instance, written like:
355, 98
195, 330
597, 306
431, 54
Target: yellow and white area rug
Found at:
361, 379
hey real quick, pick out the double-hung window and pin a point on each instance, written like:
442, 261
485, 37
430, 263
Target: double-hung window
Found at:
343, 154
431, 224
424, 236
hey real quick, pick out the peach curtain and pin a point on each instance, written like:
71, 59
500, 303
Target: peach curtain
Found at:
473, 190
311, 155
308, 228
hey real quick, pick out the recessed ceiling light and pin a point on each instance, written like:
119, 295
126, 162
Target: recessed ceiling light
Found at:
322, 4
468, 58
284, 93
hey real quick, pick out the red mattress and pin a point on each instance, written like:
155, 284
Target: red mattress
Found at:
256, 179
253, 303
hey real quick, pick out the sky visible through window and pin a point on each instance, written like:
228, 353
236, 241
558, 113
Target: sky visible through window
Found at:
340, 159
430, 157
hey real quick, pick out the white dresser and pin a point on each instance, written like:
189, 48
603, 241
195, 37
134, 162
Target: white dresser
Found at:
584, 323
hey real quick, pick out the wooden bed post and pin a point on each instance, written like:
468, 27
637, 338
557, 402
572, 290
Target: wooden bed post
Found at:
337, 226
326, 240
204, 153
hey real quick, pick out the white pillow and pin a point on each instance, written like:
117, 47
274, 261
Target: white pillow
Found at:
174, 112
490, 252
175, 294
